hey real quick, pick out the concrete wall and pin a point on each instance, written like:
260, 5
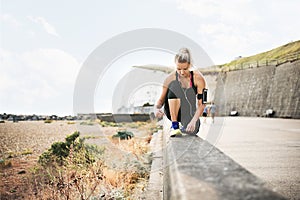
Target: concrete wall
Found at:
194, 169
123, 117
252, 91
211, 84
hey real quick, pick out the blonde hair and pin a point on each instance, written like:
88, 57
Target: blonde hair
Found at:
183, 56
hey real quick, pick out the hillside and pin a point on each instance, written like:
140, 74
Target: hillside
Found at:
279, 55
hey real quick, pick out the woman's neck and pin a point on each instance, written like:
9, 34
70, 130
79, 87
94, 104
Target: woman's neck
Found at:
184, 80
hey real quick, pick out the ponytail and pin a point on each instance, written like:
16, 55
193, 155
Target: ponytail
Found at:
183, 56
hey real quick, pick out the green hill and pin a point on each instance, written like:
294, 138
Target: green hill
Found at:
279, 55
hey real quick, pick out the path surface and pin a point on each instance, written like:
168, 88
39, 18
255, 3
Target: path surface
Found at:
269, 148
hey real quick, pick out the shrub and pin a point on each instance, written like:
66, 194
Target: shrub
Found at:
90, 123
27, 152
109, 124
5, 164
123, 135
72, 169
81, 153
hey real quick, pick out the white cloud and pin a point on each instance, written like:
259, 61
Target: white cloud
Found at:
232, 12
31, 80
225, 27
52, 64
242, 27
7, 18
46, 25
7, 66
215, 28
224, 43
224, 35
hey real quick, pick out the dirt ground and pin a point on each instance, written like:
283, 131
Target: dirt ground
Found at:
22, 143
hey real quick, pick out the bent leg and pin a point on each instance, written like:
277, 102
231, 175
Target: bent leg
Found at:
173, 102
174, 105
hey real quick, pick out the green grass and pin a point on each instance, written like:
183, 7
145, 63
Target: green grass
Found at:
90, 123
27, 152
279, 55
48, 121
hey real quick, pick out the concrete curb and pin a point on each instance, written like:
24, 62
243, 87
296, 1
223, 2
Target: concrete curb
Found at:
155, 185
194, 169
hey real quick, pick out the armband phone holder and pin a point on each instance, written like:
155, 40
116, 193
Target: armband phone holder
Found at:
203, 96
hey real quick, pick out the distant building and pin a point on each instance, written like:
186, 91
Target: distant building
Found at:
144, 109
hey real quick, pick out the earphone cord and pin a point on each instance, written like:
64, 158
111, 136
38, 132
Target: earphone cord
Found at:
190, 105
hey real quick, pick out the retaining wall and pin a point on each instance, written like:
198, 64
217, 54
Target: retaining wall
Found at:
123, 117
252, 91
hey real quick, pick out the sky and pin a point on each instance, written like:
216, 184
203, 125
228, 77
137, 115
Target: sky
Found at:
43, 44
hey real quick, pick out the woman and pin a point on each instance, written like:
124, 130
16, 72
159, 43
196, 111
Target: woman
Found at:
182, 96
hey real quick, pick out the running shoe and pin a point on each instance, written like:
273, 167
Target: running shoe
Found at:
175, 133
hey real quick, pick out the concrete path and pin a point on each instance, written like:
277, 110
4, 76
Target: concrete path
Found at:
269, 148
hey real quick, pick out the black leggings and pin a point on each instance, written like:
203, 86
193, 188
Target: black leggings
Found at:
187, 104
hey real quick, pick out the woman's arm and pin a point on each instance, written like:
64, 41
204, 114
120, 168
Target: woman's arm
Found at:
160, 102
200, 83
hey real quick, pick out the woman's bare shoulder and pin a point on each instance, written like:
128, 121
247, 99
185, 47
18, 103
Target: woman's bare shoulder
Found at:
199, 78
171, 77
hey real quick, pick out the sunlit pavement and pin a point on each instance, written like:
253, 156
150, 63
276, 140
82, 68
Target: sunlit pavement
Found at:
267, 147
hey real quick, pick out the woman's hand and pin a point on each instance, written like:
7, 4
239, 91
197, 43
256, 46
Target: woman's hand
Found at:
191, 126
159, 113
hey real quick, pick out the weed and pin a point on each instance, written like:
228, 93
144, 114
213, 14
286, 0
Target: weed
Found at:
5, 164
73, 169
123, 135
110, 124
27, 152
90, 123
59, 151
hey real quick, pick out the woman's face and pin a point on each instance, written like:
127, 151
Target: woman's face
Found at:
183, 69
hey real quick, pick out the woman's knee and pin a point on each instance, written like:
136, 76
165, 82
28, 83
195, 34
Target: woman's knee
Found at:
174, 91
